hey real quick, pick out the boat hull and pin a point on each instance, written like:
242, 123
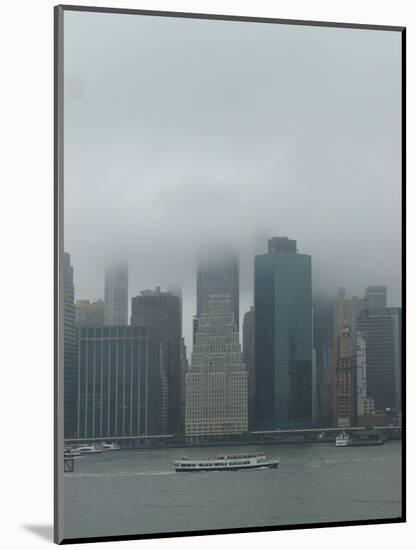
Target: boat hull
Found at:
364, 443
270, 465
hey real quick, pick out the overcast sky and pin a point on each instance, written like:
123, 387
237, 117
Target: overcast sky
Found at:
180, 133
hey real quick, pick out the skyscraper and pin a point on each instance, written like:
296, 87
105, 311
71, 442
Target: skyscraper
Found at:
89, 314
283, 336
182, 384
249, 360
365, 403
345, 380
374, 354
161, 311
216, 382
119, 385
344, 359
323, 330
218, 273
70, 351
116, 295
381, 329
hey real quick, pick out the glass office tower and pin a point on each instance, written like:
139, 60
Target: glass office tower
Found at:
283, 337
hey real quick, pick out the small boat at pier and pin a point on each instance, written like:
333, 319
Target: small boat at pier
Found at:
88, 449
109, 446
225, 462
71, 452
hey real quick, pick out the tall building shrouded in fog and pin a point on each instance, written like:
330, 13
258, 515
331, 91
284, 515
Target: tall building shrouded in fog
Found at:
283, 337
218, 273
70, 351
216, 382
116, 295
119, 385
161, 311
89, 314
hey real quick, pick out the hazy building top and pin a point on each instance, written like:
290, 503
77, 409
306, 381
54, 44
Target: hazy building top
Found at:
156, 292
282, 244
376, 297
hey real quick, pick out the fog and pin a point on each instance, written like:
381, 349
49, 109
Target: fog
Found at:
185, 134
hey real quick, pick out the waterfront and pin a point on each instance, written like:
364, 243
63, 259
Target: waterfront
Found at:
137, 492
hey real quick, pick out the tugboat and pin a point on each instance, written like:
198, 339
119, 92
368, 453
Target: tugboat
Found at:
248, 461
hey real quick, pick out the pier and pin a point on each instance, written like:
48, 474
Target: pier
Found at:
309, 435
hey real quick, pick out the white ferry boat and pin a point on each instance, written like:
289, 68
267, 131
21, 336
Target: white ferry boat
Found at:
225, 462
342, 440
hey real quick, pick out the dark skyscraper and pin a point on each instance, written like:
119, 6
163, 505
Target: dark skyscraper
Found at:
283, 337
381, 329
218, 274
70, 351
161, 312
119, 385
249, 360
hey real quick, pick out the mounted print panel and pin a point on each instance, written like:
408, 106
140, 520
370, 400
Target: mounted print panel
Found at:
229, 334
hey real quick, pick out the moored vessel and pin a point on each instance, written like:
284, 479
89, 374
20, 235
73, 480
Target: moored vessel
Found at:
88, 449
244, 461
360, 439
110, 446
367, 438
342, 440
70, 452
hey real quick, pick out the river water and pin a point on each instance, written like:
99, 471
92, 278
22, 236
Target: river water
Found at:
138, 492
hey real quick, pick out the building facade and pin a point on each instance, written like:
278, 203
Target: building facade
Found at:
344, 359
118, 382
283, 337
216, 382
382, 333
249, 361
184, 370
116, 295
161, 311
70, 350
323, 330
89, 314
345, 380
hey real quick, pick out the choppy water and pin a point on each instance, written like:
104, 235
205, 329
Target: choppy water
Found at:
137, 492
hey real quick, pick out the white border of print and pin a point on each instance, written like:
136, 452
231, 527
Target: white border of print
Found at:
26, 112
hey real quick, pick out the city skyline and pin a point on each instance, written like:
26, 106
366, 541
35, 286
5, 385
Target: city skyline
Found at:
246, 300
283, 304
